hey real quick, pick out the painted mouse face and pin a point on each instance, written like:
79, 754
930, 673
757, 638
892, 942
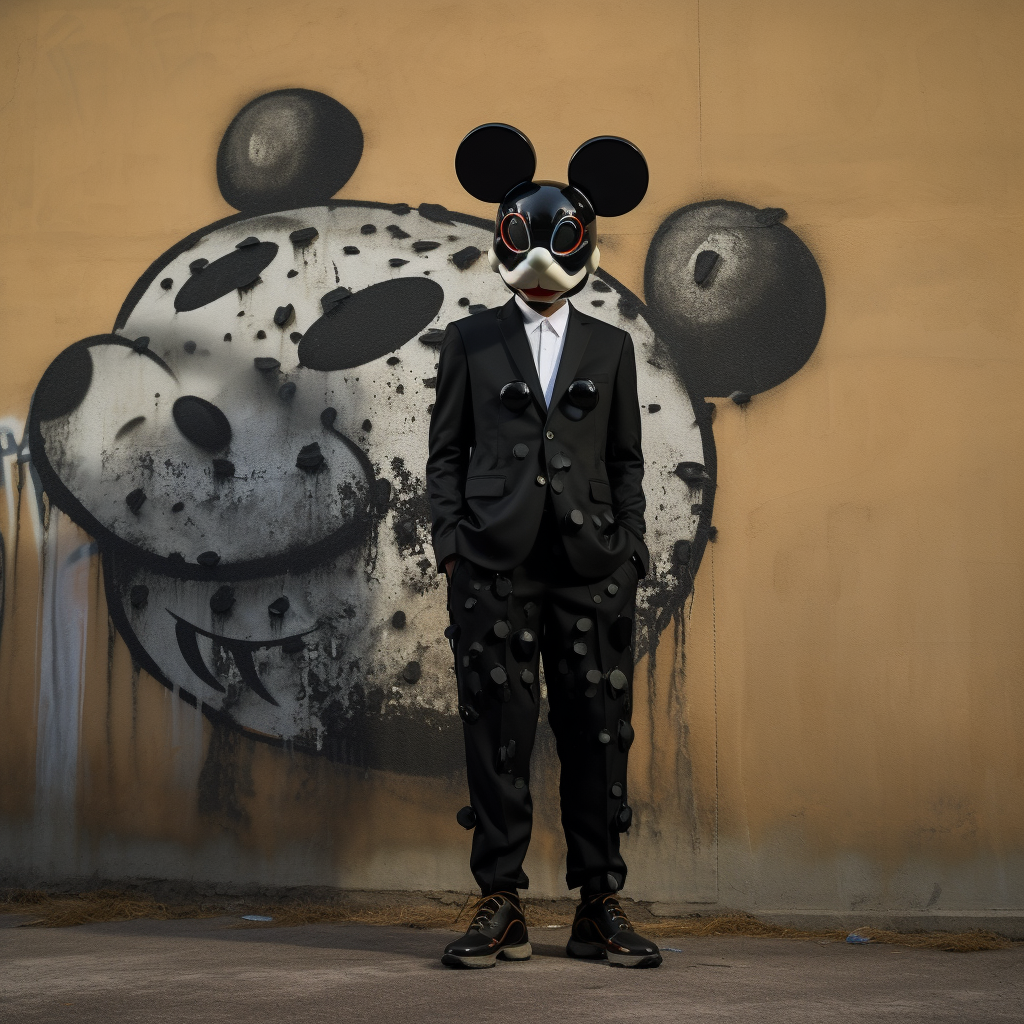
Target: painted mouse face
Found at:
545, 233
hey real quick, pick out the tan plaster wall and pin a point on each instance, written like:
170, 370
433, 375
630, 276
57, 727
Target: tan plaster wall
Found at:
850, 710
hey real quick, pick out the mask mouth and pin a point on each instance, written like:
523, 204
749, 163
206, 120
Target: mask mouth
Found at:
540, 271
539, 293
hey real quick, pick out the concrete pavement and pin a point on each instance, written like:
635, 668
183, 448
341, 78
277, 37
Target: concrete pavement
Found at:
214, 971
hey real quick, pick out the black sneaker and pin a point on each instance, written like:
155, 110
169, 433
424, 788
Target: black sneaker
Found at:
498, 930
601, 931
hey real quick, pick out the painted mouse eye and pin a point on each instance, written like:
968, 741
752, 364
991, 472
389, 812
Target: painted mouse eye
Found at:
567, 236
514, 232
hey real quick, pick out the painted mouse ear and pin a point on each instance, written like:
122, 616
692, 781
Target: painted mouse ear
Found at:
611, 173
492, 159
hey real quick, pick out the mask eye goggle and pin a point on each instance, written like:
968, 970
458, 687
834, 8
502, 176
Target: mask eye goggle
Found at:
567, 237
514, 232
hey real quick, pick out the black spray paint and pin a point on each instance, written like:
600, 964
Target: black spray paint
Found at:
735, 295
286, 150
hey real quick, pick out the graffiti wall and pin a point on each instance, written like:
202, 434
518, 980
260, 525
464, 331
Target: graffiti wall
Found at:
222, 629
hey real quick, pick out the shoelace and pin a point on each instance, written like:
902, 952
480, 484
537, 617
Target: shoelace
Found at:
615, 911
486, 907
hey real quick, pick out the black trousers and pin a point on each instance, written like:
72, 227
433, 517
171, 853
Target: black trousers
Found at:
501, 625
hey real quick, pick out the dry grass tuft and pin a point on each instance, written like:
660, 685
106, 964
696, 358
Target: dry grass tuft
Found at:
287, 914
57, 910
65, 910
741, 924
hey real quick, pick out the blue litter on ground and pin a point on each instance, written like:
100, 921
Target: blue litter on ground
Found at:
255, 917
669, 949
857, 939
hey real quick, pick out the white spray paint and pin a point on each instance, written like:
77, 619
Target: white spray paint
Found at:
13, 451
62, 633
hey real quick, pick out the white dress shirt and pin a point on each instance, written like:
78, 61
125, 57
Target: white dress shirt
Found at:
546, 335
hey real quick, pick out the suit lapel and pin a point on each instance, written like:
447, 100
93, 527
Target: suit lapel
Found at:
577, 336
514, 333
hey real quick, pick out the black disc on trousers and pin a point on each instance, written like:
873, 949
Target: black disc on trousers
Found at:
524, 644
625, 735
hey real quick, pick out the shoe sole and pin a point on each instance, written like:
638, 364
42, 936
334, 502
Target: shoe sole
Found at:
590, 951
521, 952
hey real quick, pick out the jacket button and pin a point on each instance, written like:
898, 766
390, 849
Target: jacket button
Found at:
520, 451
550, 435
541, 481
573, 520
556, 486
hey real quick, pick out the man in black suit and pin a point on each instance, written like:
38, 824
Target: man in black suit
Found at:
535, 482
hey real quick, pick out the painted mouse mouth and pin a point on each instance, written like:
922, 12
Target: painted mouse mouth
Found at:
241, 651
539, 293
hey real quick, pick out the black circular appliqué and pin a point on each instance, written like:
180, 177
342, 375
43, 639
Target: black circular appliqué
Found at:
583, 394
515, 396
287, 149
370, 323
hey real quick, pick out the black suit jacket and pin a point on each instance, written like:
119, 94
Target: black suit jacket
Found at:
486, 496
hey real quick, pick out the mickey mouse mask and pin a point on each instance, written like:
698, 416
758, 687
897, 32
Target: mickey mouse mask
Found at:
545, 233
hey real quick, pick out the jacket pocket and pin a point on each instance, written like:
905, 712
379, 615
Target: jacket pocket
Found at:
485, 486
601, 491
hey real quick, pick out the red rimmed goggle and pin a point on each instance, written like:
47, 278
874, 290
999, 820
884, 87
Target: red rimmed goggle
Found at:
567, 237
514, 232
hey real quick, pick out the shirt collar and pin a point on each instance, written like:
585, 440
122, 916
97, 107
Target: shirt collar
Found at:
557, 320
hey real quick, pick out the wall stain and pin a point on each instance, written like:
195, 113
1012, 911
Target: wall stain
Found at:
225, 781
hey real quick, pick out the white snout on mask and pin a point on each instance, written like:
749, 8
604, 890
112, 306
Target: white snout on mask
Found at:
540, 270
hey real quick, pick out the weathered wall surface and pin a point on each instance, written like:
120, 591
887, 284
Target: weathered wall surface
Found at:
828, 718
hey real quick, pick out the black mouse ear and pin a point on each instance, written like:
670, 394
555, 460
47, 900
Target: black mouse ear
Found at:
611, 173
492, 159
287, 149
